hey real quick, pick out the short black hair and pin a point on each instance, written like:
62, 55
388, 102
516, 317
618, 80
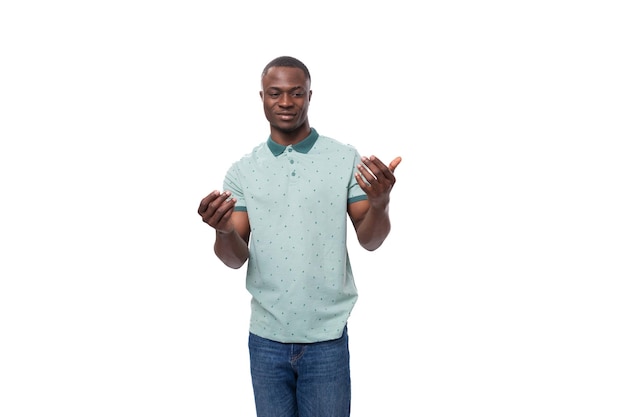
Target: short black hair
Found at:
286, 61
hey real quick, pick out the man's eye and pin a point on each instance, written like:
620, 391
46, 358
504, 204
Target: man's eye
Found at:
274, 95
298, 94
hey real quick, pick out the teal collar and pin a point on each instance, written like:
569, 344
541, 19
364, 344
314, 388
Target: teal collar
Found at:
302, 147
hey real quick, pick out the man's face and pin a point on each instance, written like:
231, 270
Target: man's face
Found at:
286, 94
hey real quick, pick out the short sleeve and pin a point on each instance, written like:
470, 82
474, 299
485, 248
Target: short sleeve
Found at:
355, 192
232, 183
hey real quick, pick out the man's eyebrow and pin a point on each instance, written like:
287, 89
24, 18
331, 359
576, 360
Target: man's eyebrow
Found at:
286, 89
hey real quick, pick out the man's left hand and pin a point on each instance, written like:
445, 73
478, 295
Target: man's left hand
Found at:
377, 179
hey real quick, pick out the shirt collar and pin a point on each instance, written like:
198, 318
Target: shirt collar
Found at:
303, 146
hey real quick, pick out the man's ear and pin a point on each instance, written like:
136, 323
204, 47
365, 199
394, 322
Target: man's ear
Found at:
310, 94
261, 94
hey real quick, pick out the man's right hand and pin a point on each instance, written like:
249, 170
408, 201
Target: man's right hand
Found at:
216, 210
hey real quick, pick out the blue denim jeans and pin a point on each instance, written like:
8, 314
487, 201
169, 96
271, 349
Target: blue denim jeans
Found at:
300, 379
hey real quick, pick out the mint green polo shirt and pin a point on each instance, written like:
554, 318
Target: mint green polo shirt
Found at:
298, 272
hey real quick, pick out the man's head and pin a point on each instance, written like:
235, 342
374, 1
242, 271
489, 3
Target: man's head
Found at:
287, 61
286, 93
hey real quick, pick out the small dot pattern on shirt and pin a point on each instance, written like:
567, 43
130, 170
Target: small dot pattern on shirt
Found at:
299, 271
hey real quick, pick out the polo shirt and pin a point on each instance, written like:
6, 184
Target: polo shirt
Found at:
298, 271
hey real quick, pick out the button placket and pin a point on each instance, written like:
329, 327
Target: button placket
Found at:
291, 161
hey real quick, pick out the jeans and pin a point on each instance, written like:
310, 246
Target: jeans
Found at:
300, 379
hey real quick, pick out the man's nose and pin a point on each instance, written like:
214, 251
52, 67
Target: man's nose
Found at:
285, 100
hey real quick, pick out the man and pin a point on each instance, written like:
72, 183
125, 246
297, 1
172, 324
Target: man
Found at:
284, 212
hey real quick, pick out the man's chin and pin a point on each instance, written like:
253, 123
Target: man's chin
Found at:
286, 127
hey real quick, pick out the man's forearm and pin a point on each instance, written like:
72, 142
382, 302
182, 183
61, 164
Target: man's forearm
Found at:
374, 228
231, 249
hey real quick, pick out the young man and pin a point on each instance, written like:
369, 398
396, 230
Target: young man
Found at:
284, 212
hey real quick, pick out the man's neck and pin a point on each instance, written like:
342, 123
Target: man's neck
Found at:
292, 137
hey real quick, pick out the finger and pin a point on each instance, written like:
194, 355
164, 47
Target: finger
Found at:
218, 201
375, 165
221, 217
221, 198
359, 179
211, 202
218, 215
365, 171
394, 164
204, 204
379, 169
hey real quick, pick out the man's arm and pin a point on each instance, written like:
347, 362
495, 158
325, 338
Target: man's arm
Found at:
232, 247
232, 228
371, 217
372, 226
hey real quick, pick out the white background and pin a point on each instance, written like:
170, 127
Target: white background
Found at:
498, 293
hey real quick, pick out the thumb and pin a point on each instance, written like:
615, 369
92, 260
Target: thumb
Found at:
395, 163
